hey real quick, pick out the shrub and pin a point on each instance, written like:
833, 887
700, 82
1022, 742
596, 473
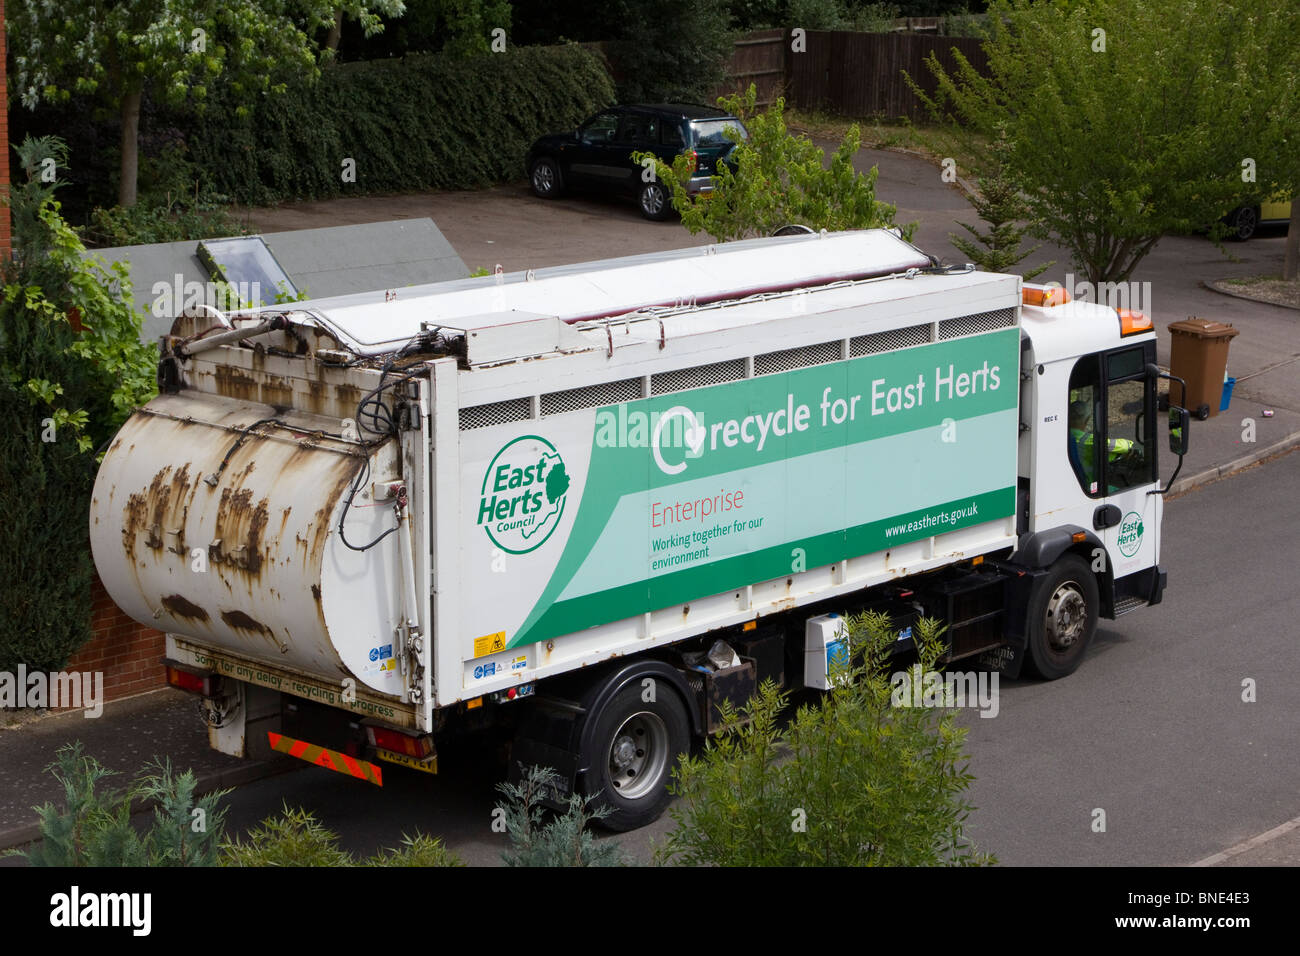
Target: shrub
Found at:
565, 840
853, 782
419, 122
174, 205
94, 827
297, 838
173, 220
418, 850
780, 180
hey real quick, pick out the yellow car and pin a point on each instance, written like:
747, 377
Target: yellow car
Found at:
1244, 220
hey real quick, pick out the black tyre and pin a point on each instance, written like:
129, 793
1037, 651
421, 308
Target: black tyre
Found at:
1243, 221
654, 202
545, 178
1062, 617
634, 745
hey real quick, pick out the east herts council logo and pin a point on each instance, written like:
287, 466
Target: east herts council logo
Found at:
522, 499
1130, 534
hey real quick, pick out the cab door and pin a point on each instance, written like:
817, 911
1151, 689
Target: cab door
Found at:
1113, 452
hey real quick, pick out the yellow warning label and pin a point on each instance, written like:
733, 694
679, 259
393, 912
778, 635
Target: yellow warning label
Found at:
489, 644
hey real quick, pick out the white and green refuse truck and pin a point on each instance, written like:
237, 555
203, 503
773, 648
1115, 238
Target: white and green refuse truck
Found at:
588, 504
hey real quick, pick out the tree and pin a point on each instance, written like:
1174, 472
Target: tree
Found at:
1128, 119
780, 179
456, 28
999, 203
173, 49
671, 51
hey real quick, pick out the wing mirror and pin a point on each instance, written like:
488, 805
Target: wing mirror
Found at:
1179, 421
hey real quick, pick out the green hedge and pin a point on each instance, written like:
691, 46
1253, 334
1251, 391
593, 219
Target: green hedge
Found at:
44, 495
421, 122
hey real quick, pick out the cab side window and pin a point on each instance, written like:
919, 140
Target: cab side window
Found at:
1128, 459
1082, 432
1109, 424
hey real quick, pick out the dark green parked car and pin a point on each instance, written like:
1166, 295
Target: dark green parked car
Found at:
598, 155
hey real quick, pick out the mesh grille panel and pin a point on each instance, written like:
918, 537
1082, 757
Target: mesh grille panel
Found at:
803, 357
890, 340
495, 413
591, 396
680, 379
974, 324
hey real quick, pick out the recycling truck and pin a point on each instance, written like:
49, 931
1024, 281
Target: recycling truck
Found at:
588, 504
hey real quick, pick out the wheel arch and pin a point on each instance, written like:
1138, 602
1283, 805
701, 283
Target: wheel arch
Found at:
1039, 550
602, 691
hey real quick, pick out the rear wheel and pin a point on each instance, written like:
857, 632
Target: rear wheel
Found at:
1062, 617
1243, 221
633, 748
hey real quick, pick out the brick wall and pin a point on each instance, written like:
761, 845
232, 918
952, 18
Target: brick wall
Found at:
129, 654
6, 246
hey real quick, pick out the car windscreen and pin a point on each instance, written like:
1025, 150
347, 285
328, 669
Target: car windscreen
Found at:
714, 132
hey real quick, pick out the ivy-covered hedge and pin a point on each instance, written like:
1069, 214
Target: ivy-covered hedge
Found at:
45, 482
72, 368
419, 122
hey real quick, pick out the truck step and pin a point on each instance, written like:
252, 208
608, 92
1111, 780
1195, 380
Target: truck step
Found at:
1126, 604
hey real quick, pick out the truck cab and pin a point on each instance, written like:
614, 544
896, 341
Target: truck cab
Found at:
1089, 466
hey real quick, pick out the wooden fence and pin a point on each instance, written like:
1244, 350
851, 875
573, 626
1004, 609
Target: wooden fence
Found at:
861, 74
758, 58
855, 74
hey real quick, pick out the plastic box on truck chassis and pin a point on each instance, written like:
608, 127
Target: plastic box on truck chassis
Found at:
397, 506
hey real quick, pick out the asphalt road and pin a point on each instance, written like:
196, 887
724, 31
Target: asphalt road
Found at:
1152, 729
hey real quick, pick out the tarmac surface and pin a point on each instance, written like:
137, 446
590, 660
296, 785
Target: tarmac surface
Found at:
507, 225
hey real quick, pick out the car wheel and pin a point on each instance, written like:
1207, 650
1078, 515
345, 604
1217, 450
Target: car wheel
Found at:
545, 178
1062, 617
632, 750
1243, 221
654, 202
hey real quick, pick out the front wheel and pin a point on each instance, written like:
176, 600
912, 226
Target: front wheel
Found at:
545, 178
633, 748
654, 202
1063, 613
